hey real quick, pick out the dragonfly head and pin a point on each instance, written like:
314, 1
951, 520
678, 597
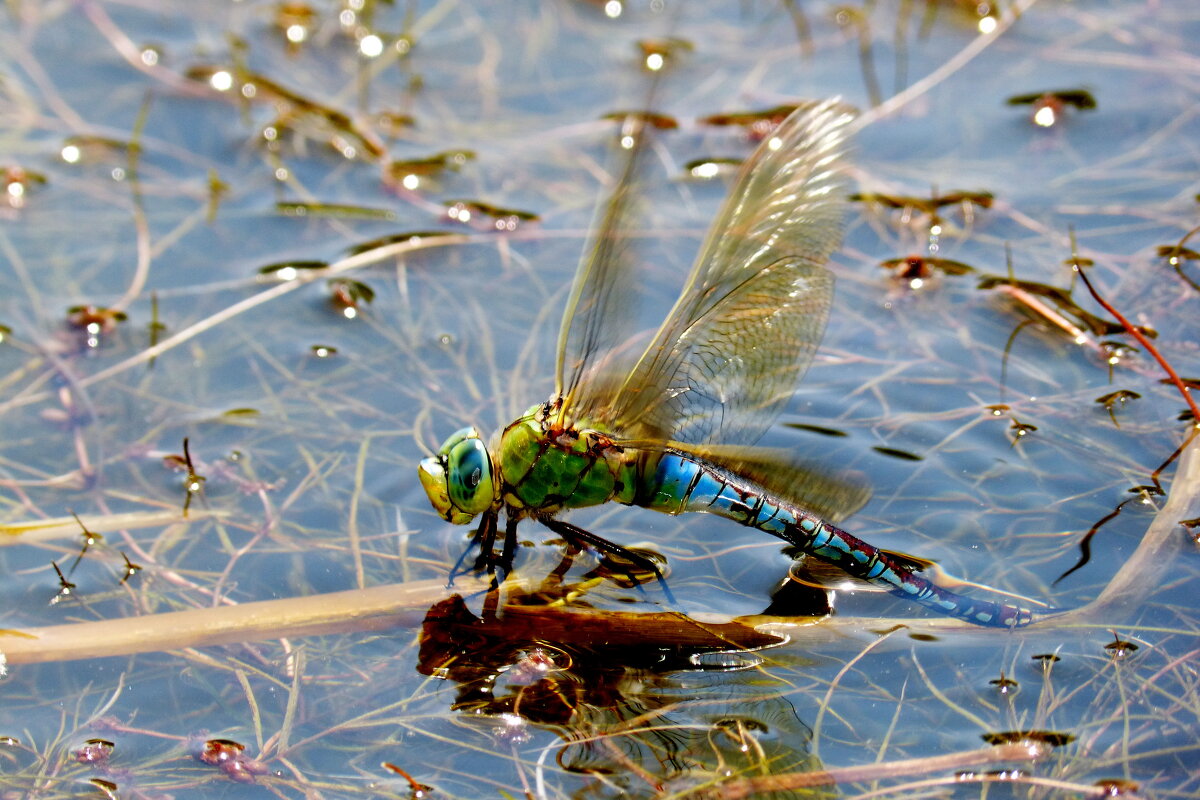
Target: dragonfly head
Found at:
460, 480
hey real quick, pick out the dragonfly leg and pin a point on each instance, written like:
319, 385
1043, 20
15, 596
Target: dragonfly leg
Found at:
577, 535
486, 535
510, 543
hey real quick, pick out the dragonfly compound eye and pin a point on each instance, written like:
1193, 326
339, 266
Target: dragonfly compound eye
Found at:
469, 476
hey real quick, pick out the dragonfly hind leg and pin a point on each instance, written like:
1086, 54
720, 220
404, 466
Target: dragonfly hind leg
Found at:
580, 536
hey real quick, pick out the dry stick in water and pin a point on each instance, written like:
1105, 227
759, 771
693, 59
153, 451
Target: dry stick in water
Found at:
758, 785
405, 606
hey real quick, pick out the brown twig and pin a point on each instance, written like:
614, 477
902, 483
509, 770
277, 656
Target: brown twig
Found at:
755, 786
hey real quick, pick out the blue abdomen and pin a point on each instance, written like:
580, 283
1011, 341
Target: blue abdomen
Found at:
681, 483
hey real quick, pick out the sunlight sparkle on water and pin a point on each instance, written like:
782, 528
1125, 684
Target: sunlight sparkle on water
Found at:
296, 33
987, 24
71, 154
370, 45
221, 80
1045, 117
613, 8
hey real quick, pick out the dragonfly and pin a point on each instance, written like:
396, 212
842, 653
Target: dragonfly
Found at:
673, 428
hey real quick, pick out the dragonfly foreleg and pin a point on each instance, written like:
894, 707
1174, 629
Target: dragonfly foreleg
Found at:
486, 536
510, 543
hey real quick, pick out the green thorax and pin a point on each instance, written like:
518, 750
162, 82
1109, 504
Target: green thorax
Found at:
545, 468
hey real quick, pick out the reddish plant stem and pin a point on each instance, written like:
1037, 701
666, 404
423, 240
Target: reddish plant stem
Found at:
1145, 342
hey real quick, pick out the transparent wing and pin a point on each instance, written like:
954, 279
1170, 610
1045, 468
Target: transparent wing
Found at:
832, 495
602, 303
754, 308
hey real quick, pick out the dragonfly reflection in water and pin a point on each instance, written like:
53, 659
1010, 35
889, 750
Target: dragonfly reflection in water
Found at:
673, 428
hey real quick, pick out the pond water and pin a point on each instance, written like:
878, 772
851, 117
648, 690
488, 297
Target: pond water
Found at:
221, 350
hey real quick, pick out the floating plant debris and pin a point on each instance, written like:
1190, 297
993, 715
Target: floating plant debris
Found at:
230, 757
1004, 684
1046, 658
985, 13
1115, 352
397, 238
408, 173
503, 219
89, 538
1118, 398
5, 332
17, 183
339, 210
903, 455
254, 87
1020, 430
1119, 648
193, 483
130, 568
651, 118
1117, 787
65, 587
1051, 738
392, 122
95, 319
1048, 106
290, 270
1176, 255
997, 410
1192, 526
94, 751
758, 124
818, 429
657, 52
707, 168
1061, 299
323, 350
295, 22
347, 295
77, 149
107, 788
915, 270
929, 205
923, 267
